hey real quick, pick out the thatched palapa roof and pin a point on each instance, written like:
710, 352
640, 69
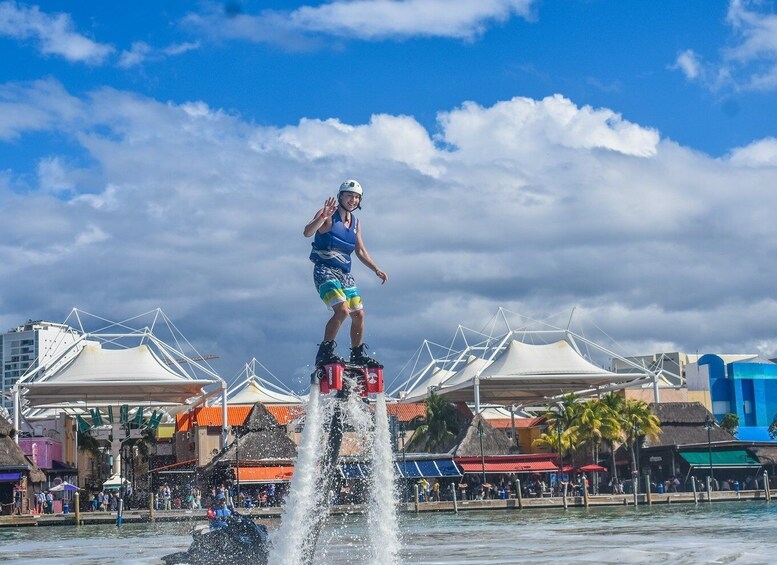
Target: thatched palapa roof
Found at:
264, 441
682, 423
495, 442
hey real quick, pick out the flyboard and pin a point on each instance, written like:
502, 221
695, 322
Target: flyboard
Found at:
338, 380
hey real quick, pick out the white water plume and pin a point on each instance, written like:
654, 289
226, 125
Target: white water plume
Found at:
303, 499
307, 505
383, 522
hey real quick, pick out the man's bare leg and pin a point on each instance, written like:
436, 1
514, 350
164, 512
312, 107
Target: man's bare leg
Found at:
357, 328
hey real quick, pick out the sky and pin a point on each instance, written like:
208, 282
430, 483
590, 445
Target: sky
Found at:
618, 158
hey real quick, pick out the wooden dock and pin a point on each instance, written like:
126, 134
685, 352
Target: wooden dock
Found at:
135, 516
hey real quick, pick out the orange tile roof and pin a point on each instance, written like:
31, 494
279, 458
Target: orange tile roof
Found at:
406, 412
264, 474
211, 416
285, 414
520, 423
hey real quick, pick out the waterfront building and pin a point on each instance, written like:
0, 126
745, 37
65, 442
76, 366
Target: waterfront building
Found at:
51, 444
30, 345
692, 446
745, 385
19, 478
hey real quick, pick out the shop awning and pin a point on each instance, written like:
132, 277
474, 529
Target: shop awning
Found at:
429, 468
353, 470
183, 467
734, 459
510, 467
263, 475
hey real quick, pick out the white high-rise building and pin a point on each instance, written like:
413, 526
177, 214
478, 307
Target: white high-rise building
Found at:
29, 346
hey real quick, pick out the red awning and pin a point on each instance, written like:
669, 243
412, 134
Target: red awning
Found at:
592, 467
264, 474
509, 467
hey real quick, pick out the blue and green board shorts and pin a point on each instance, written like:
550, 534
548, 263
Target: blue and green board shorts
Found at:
335, 285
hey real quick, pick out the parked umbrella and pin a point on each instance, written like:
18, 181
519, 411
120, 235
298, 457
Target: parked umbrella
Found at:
64, 486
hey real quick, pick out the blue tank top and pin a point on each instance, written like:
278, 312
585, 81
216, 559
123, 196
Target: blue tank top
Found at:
334, 247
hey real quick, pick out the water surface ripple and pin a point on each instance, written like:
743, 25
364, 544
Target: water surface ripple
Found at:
736, 532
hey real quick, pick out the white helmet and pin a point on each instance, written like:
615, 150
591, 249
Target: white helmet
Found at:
351, 186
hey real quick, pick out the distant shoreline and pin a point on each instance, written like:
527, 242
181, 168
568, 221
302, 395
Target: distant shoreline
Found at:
512, 504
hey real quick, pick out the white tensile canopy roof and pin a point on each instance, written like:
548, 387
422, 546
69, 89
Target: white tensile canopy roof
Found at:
99, 376
254, 392
420, 391
250, 388
523, 372
534, 363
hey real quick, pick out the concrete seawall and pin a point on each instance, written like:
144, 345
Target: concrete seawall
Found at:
527, 504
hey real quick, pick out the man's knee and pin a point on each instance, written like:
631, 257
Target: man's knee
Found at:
357, 315
340, 311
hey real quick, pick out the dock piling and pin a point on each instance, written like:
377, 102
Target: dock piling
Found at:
519, 493
77, 509
455, 502
564, 495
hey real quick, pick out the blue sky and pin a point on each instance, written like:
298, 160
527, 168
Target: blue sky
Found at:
614, 156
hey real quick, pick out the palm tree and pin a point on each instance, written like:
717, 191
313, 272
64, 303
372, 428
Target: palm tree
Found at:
730, 423
596, 422
613, 431
637, 422
439, 426
563, 419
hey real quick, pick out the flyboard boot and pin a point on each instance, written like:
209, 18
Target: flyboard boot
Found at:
369, 371
329, 368
359, 357
326, 354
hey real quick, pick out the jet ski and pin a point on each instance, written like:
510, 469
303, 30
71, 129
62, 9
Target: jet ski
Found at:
241, 539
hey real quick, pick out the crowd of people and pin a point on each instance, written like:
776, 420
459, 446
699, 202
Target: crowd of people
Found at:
191, 497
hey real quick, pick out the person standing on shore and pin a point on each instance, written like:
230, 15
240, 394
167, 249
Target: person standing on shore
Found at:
337, 234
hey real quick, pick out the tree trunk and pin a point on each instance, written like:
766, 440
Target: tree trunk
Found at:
614, 466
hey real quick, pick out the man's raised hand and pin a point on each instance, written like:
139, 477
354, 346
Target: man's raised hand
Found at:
330, 207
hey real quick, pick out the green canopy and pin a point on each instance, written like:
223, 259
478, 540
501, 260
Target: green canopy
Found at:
728, 459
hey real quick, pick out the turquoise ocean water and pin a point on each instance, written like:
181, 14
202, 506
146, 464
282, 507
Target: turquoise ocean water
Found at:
736, 532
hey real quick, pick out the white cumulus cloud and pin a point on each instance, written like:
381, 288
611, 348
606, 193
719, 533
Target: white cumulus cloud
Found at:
534, 205
55, 34
369, 20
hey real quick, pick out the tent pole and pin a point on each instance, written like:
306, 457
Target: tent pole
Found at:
656, 396
512, 423
16, 413
477, 395
223, 415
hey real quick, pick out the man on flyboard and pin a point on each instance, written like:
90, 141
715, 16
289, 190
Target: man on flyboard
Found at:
338, 234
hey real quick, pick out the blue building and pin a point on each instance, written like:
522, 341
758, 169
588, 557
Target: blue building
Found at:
745, 387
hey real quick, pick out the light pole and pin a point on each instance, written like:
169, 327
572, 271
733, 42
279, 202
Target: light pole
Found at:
709, 423
237, 430
482, 454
